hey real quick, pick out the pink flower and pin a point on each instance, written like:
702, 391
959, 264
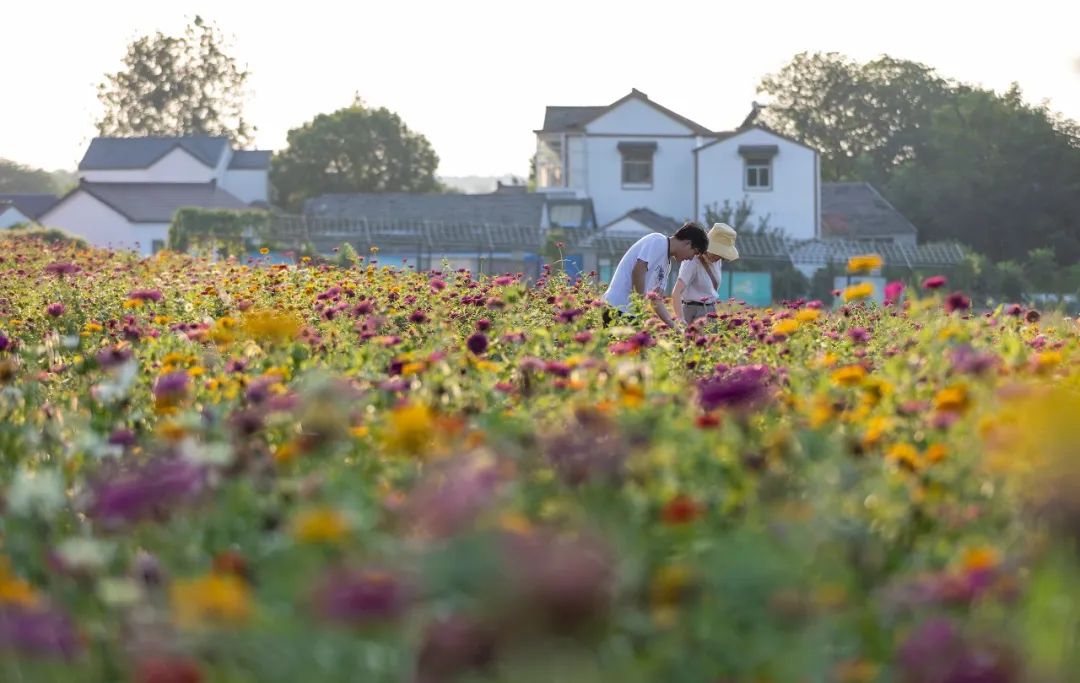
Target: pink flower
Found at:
55, 309
893, 291
934, 282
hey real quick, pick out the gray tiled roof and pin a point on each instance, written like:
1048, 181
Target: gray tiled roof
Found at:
650, 219
133, 153
855, 210
519, 209
559, 119
157, 202
31, 205
250, 160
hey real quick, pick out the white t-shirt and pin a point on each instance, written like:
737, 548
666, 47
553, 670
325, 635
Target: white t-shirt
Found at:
696, 283
653, 250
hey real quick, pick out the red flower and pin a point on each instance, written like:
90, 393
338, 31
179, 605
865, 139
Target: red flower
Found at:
168, 670
680, 510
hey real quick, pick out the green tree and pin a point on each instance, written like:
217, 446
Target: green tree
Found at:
995, 173
355, 149
16, 178
865, 119
738, 217
177, 85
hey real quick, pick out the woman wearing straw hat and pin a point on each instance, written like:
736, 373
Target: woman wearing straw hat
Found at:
694, 295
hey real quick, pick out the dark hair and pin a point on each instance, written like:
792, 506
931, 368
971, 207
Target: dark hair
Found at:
693, 233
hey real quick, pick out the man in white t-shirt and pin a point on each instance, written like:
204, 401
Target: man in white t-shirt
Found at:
646, 266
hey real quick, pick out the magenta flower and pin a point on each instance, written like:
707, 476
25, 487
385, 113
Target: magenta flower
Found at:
145, 294
893, 291
740, 388
934, 282
957, 302
171, 387
859, 335
61, 268
356, 598
55, 309
418, 317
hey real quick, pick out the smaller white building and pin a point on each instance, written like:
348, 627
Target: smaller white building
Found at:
23, 209
130, 188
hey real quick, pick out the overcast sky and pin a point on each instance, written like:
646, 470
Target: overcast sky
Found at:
475, 76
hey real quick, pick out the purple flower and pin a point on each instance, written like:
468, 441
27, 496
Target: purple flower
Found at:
1032, 316
450, 498
356, 598
957, 302
61, 268
967, 360
55, 309
5, 342
483, 325
145, 294
152, 488
859, 335
113, 356
477, 343
934, 282
39, 631
453, 645
937, 653
1014, 310
742, 387
171, 387
569, 315
122, 437
418, 317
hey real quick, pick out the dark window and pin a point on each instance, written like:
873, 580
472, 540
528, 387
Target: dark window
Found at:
758, 174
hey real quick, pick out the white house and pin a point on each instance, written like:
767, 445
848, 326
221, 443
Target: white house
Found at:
130, 188
634, 153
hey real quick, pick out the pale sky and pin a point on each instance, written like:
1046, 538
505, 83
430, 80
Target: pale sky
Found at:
474, 76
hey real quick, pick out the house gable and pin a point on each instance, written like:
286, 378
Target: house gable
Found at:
636, 114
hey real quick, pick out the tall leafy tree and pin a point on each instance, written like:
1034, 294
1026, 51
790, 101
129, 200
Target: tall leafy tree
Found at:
864, 118
355, 149
16, 178
177, 85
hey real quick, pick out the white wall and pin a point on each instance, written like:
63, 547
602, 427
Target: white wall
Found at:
177, 166
672, 191
575, 162
636, 116
246, 185
85, 216
12, 216
794, 200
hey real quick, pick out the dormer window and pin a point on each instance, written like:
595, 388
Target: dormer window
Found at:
757, 160
637, 164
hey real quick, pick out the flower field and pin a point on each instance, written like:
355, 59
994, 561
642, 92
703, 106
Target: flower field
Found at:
243, 472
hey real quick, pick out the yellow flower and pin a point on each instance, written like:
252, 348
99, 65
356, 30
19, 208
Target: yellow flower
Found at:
952, 399
980, 558
320, 525
272, 326
905, 455
632, 395
849, 375
264, 251
411, 428
286, 453
785, 327
215, 598
132, 303
859, 291
875, 432
93, 327
808, 315
13, 590
1047, 360
669, 587
865, 263
359, 432
936, 453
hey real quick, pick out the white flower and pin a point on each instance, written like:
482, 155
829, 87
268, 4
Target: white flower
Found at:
83, 553
119, 592
39, 492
